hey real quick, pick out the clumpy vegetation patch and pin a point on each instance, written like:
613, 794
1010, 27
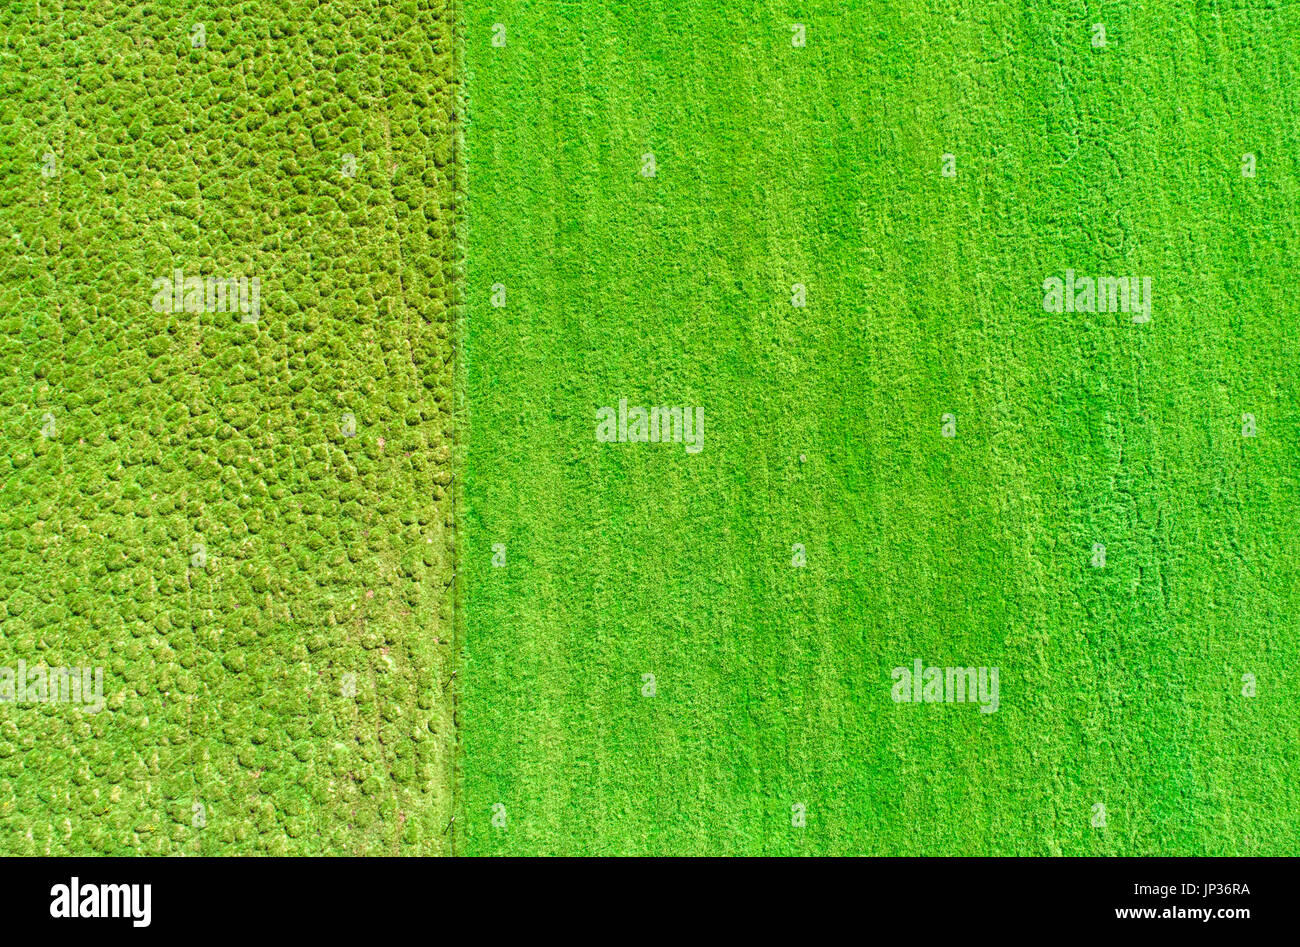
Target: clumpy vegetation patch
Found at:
243, 518
693, 653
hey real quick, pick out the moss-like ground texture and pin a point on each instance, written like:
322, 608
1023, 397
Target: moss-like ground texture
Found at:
181, 503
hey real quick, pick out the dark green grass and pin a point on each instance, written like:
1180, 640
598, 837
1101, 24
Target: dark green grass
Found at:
821, 165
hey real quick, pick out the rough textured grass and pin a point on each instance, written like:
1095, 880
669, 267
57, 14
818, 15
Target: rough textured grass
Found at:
322, 555
182, 504
777, 165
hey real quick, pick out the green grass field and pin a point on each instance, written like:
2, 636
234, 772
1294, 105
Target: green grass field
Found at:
823, 166
180, 503
369, 569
